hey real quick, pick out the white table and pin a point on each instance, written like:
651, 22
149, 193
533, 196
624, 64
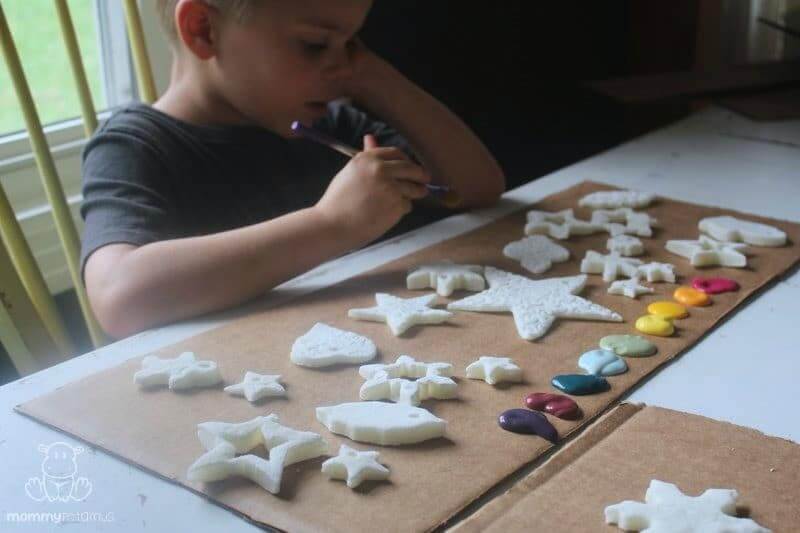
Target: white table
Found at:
739, 373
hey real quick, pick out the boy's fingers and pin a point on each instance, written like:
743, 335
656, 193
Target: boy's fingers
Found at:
411, 190
388, 153
370, 142
406, 170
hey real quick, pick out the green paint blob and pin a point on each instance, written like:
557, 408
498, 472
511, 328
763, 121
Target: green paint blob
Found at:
628, 345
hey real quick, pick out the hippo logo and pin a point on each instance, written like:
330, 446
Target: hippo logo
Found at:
59, 481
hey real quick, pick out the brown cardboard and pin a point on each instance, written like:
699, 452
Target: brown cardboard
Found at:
431, 481
615, 459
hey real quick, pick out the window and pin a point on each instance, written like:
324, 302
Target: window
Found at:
100, 28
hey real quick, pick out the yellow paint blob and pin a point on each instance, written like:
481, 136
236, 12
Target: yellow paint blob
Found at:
691, 297
667, 309
655, 325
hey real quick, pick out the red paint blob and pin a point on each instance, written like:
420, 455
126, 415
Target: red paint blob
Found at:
555, 404
715, 285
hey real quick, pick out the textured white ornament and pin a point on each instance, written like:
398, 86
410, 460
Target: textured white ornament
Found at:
389, 381
494, 370
654, 271
536, 253
183, 372
255, 386
733, 229
611, 266
625, 245
535, 305
616, 199
629, 287
355, 466
707, 252
324, 345
381, 423
224, 442
559, 225
446, 277
668, 510
402, 313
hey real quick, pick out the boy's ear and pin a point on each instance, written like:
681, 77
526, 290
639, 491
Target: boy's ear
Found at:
195, 24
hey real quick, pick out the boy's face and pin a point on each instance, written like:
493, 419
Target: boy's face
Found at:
288, 59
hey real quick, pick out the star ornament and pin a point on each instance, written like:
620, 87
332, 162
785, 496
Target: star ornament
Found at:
446, 277
256, 386
402, 313
355, 466
558, 225
708, 252
535, 305
611, 266
224, 442
629, 287
666, 508
494, 370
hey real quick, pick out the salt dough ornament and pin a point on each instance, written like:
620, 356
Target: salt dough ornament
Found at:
183, 372
667, 509
386, 382
355, 466
535, 305
602, 363
611, 266
324, 345
635, 223
536, 253
707, 252
494, 370
625, 245
446, 277
727, 228
381, 423
223, 441
654, 272
629, 287
559, 225
616, 199
256, 386
402, 313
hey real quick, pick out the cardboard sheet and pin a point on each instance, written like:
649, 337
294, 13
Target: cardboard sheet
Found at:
431, 481
615, 459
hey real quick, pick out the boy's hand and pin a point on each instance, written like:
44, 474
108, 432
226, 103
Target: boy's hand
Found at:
373, 191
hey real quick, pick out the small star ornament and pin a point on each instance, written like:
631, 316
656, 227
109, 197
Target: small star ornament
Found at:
355, 466
256, 386
667, 509
708, 252
446, 277
402, 313
534, 304
654, 272
611, 266
183, 372
629, 287
494, 370
391, 382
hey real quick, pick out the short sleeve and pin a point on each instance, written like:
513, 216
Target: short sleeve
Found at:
125, 193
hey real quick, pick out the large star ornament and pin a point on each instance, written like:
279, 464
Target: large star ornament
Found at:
534, 304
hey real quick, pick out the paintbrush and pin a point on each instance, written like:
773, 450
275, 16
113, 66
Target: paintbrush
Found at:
443, 192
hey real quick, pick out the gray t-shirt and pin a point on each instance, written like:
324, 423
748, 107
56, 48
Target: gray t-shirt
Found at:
149, 177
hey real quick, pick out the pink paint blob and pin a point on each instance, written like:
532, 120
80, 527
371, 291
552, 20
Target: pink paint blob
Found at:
715, 285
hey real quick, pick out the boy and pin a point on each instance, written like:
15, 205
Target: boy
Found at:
202, 201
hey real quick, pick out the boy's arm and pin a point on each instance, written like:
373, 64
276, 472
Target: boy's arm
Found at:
134, 288
445, 145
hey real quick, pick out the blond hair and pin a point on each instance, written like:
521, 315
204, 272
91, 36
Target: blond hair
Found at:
166, 12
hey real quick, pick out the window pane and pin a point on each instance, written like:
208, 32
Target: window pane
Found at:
37, 34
